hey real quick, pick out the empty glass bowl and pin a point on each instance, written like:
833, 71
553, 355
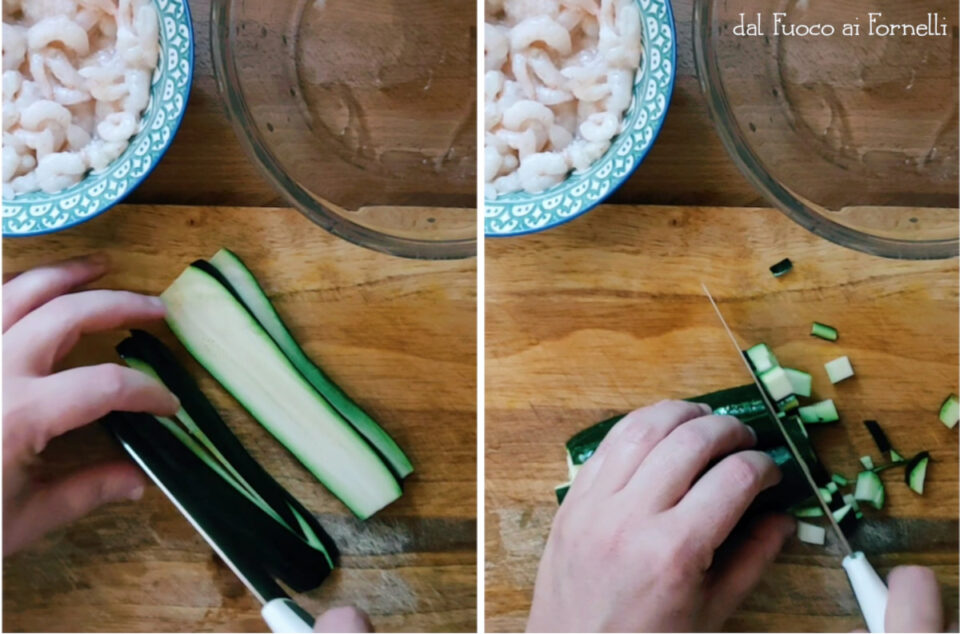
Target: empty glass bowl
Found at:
362, 113
852, 136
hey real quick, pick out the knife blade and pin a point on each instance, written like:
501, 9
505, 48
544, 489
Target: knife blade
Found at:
868, 587
280, 612
772, 413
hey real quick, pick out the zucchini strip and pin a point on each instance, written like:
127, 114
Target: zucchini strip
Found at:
230, 343
232, 519
251, 294
212, 441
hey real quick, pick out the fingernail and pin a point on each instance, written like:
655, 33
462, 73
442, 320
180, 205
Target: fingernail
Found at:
135, 494
753, 432
706, 409
176, 401
156, 301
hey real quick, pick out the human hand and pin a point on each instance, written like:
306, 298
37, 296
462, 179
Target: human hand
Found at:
913, 602
343, 619
42, 322
632, 546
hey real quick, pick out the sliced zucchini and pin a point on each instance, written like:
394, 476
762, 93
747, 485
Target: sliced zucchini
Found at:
242, 281
869, 489
824, 331
782, 267
802, 382
762, 358
950, 411
839, 369
811, 533
777, 383
846, 518
916, 472
561, 492
826, 495
832, 487
225, 338
879, 437
813, 510
822, 412
839, 479
202, 430
894, 456
572, 468
788, 404
867, 462
238, 525
848, 498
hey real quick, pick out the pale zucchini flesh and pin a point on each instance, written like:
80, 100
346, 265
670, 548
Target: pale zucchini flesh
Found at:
223, 336
248, 288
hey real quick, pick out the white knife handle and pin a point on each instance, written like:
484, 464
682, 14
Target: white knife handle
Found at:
869, 589
284, 616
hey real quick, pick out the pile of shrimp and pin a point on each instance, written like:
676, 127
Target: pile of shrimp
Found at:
558, 78
76, 78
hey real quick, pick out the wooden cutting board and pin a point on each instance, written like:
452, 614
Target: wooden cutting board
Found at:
606, 314
399, 335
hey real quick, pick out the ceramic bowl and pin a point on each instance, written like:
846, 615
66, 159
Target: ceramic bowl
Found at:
519, 213
38, 212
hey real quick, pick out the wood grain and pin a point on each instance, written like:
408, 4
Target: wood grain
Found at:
206, 165
606, 314
397, 334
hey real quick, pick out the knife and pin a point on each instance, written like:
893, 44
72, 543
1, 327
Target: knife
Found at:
868, 587
281, 613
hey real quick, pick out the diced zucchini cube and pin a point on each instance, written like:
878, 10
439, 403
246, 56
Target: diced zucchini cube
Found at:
762, 358
839, 369
777, 383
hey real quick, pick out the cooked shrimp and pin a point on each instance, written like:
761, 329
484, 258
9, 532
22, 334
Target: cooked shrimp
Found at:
77, 76
559, 79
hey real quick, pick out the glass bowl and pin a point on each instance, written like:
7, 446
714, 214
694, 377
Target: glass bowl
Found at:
852, 136
362, 113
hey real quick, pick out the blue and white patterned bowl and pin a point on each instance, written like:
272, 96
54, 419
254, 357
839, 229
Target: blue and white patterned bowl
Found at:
520, 213
38, 213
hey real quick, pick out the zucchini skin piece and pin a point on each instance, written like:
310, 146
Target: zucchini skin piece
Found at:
823, 331
301, 419
879, 437
238, 525
147, 348
243, 283
782, 267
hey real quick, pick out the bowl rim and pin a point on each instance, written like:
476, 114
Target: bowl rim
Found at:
227, 79
790, 203
657, 128
188, 21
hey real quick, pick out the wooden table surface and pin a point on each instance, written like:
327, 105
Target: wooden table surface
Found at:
397, 334
606, 314
206, 165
